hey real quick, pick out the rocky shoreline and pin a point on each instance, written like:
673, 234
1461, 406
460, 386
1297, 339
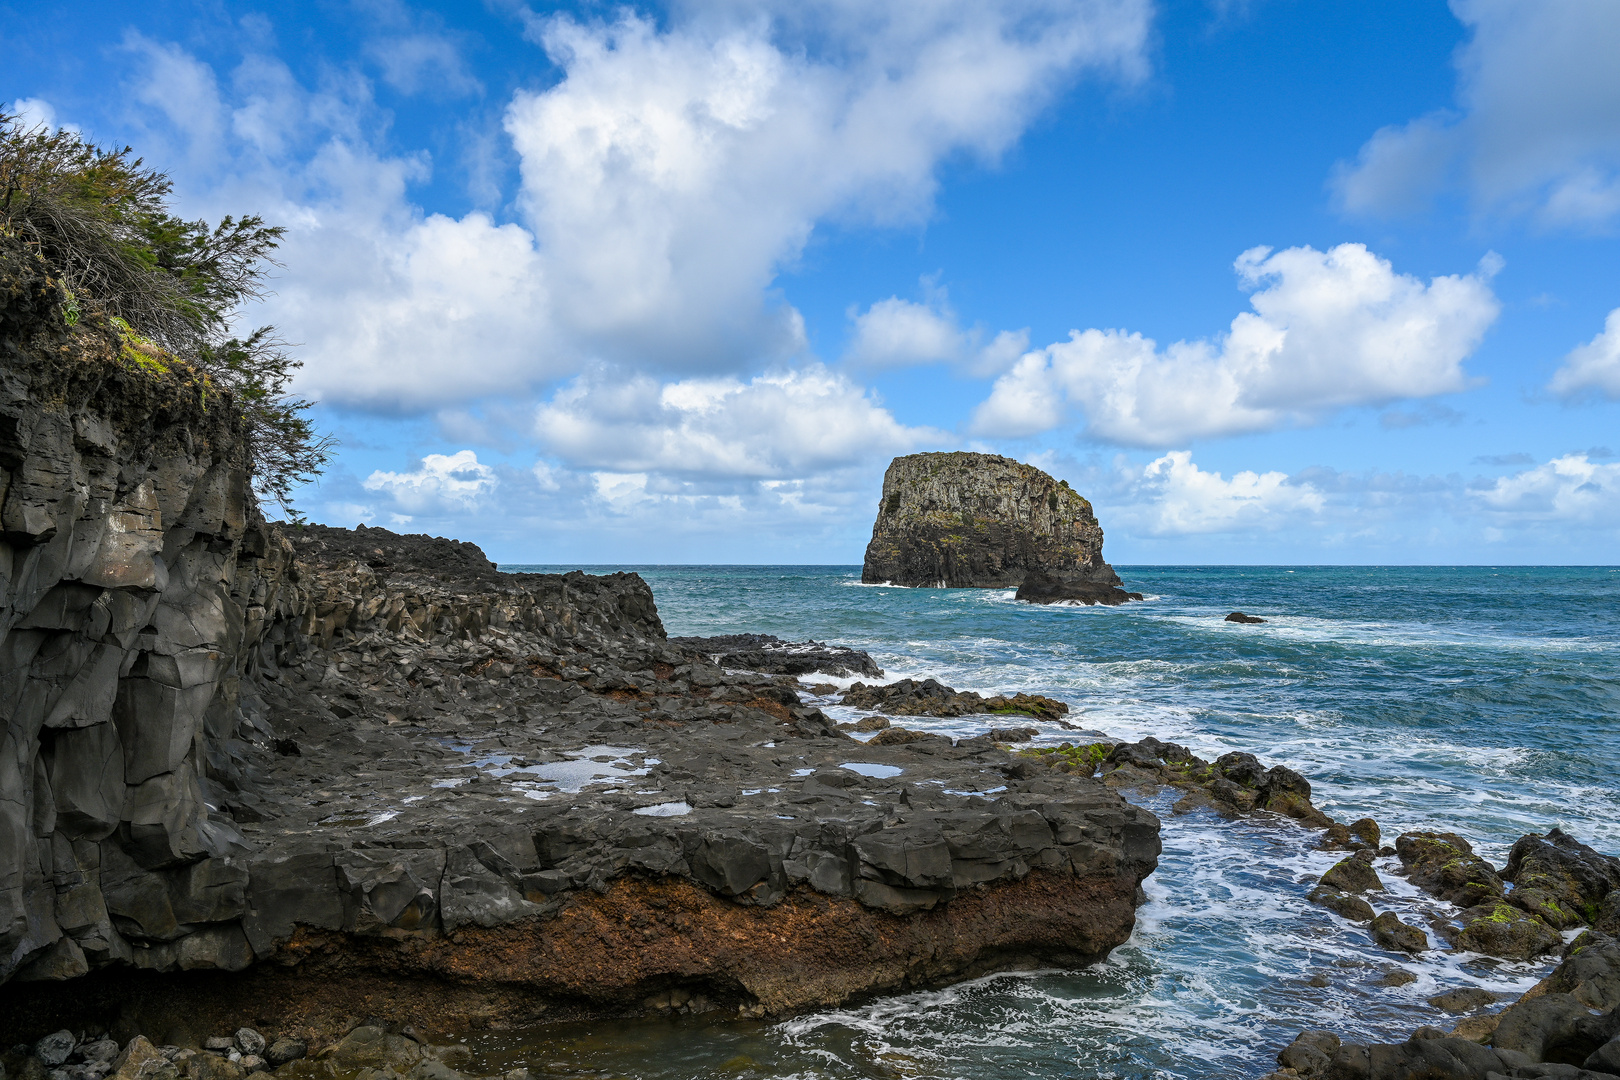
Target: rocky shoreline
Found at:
354, 789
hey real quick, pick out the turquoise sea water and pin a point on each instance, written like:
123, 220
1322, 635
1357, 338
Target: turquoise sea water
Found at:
1479, 700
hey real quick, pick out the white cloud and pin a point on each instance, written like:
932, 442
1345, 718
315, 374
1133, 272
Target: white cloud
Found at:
786, 425
416, 63
34, 112
1172, 496
445, 482
1566, 490
672, 172
1594, 367
896, 332
667, 177
1329, 329
1537, 124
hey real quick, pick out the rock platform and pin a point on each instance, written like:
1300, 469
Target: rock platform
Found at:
296, 777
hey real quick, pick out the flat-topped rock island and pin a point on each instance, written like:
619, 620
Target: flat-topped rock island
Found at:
982, 521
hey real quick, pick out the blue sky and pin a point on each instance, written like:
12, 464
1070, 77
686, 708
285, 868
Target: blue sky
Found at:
1270, 281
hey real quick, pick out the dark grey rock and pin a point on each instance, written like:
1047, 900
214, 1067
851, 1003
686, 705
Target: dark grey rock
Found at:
54, 1049
1350, 907
283, 1050
98, 1050
1463, 999
1390, 932
1310, 1053
1605, 1059
1551, 1027
763, 652
1352, 875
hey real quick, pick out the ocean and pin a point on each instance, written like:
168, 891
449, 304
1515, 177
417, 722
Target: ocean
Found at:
1479, 700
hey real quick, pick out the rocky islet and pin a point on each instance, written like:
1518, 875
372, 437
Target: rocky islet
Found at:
982, 521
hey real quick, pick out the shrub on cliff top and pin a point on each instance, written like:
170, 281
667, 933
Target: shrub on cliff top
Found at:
101, 221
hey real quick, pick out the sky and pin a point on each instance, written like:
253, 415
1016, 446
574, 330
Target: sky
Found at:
1269, 281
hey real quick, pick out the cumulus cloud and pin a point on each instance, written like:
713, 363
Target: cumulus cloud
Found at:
666, 177
1536, 126
34, 112
1172, 496
1566, 490
1594, 367
1328, 330
779, 426
897, 332
444, 483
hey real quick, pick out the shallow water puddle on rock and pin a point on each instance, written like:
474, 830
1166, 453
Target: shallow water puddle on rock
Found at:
872, 769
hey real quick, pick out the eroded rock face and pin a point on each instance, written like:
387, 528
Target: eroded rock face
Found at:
136, 582
961, 520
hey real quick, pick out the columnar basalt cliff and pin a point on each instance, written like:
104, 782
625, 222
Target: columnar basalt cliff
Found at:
336, 774
962, 520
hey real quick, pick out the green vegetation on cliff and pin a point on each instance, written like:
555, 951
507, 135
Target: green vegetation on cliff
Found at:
163, 289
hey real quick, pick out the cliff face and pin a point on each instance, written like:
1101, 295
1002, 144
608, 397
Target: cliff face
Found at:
355, 773
961, 520
136, 578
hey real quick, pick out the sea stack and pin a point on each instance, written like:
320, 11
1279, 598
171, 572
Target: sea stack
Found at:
981, 521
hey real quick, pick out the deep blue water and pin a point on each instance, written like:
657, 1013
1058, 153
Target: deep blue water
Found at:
1485, 701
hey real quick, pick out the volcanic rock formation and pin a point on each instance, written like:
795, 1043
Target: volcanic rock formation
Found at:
335, 774
961, 520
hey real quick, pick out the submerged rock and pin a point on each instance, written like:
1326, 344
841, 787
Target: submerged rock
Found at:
1041, 587
964, 520
929, 697
1233, 783
772, 655
1344, 904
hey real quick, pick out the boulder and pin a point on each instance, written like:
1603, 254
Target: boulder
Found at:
1310, 1054
1239, 617
283, 1050
1390, 932
53, 1049
142, 1061
1445, 865
1353, 875
1350, 907
1589, 972
1552, 1027
1499, 929
1559, 879
1463, 999
370, 1047
1605, 1059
